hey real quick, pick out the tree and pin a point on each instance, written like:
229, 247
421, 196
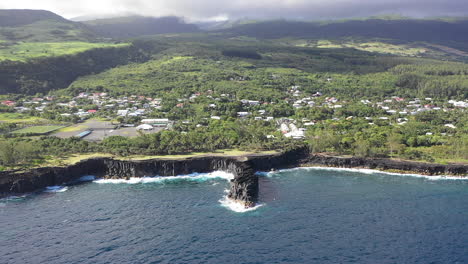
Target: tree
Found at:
394, 143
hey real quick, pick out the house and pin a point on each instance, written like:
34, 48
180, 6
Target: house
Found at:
242, 114
92, 111
144, 127
284, 128
22, 109
250, 102
122, 113
296, 105
161, 122
216, 117
8, 103
296, 134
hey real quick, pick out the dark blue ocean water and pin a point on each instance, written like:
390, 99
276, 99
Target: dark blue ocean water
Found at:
308, 216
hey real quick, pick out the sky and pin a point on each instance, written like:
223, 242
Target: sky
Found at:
194, 10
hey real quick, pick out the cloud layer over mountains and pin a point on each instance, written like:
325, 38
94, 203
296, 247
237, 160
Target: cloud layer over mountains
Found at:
223, 9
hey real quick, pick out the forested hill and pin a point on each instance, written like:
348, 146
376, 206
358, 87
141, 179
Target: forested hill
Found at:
21, 17
40, 26
45, 26
435, 31
135, 26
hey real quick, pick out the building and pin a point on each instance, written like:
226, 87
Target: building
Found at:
162, 122
144, 127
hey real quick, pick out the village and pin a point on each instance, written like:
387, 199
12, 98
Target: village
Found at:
96, 116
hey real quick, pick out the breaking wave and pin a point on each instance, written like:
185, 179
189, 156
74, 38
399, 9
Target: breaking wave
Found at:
195, 177
367, 171
236, 206
56, 189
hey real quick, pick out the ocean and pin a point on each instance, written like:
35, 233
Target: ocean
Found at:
306, 215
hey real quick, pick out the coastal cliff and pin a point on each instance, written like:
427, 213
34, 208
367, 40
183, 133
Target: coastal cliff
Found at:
429, 169
244, 186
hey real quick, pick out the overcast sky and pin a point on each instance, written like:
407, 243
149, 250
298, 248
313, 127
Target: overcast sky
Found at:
209, 9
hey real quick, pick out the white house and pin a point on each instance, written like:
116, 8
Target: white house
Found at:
161, 122
145, 127
122, 113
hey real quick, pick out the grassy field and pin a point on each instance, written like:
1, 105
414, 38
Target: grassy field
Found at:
19, 118
73, 128
374, 46
73, 159
377, 47
230, 152
42, 130
24, 51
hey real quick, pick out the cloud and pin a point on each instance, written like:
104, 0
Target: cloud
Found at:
207, 9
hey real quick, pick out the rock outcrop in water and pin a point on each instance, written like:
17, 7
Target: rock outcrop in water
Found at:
244, 187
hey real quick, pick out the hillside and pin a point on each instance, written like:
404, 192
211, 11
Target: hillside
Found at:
453, 33
135, 26
21, 17
40, 26
230, 68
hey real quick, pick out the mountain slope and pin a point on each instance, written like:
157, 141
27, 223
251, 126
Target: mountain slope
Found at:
21, 17
40, 26
454, 32
135, 26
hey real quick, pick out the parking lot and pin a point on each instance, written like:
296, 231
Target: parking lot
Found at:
100, 130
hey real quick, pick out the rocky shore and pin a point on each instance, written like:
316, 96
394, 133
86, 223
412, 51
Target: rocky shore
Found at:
244, 186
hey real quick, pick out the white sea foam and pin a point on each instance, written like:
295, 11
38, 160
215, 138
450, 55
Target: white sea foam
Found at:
14, 198
368, 171
56, 189
87, 178
198, 177
236, 206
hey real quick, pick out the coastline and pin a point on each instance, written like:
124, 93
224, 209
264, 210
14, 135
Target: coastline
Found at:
244, 185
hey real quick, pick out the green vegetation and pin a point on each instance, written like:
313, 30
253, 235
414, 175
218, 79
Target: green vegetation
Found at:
50, 30
25, 51
41, 75
361, 95
19, 118
355, 74
37, 130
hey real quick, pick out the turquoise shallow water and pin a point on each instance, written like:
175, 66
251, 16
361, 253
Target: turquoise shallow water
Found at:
308, 216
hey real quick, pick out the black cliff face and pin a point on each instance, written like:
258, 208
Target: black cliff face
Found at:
387, 164
244, 186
